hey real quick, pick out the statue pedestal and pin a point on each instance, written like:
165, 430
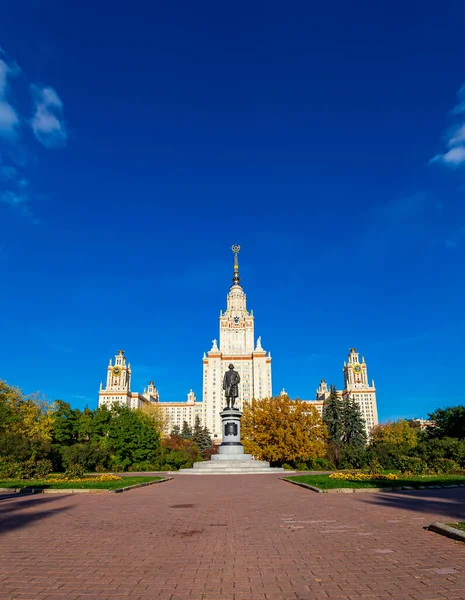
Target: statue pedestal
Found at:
231, 447
231, 459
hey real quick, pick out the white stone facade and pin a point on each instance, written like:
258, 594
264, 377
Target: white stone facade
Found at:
118, 391
356, 386
237, 347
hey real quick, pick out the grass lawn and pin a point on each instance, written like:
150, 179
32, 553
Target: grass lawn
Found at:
75, 485
325, 483
460, 525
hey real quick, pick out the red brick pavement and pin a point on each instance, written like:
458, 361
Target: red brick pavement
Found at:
230, 538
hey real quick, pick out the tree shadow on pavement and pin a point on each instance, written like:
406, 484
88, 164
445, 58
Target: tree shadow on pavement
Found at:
437, 504
15, 512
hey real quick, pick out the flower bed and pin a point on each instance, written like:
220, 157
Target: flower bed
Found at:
363, 476
56, 482
364, 480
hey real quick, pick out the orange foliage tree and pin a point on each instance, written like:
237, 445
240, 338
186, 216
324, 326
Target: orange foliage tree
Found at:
280, 430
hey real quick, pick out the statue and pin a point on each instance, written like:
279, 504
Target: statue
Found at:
231, 386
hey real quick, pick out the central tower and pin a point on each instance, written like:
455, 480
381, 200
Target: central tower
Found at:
236, 323
237, 346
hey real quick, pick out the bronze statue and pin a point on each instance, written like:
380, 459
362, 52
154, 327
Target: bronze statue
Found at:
231, 386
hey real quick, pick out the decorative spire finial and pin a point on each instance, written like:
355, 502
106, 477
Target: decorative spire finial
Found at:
236, 248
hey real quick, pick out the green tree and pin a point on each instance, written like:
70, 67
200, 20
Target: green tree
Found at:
100, 425
85, 425
186, 431
65, 419
201, 436
333, 416
131, 437
197, 427
353, 424
176, 431
333, 419
448, 422
87, 455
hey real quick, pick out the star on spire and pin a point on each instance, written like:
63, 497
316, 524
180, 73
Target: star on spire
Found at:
236, 248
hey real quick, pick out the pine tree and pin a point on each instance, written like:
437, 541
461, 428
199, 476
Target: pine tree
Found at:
203, 439
186, 431
353, 424
201, 435
332, 416
176, 431
197, 428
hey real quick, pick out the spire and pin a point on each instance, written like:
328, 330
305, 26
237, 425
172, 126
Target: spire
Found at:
236, 248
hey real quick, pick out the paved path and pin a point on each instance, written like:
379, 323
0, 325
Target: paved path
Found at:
230, 538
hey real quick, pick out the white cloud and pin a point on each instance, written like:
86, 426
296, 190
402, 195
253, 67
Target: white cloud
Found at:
9, 120
454, 157
48, 124
455, 137
460, 108
14, 190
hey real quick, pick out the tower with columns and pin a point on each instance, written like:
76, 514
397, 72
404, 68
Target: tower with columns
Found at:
237, 346
118, 386
357, 386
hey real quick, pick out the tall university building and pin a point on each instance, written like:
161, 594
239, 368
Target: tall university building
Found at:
237, 345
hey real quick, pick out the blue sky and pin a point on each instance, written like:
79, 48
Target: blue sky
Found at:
138, 142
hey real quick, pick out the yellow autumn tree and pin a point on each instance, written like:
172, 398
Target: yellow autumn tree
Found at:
395, 432
158, 417
29, 416
280, 430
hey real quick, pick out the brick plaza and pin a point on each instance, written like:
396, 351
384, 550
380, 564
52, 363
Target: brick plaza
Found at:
230, 538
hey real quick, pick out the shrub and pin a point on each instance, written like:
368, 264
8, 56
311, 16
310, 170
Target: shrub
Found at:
374, 466
26, 469
179, 453
444, 465
353, 457
301, 466
321, 464
8, 468
87, 455
118, 467
43, 468
19, 448
166, 468
411, 464
209, 452
75, 472
287, 467
142, 467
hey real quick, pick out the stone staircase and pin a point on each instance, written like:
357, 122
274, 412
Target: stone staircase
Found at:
222, 464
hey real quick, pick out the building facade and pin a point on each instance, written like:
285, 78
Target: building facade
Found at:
356, 385
118, 391
238, 347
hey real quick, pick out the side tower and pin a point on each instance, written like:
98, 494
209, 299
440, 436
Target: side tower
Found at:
357, 387
118, 385
237, 346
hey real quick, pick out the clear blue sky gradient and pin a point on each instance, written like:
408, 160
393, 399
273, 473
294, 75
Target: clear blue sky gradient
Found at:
303, 131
